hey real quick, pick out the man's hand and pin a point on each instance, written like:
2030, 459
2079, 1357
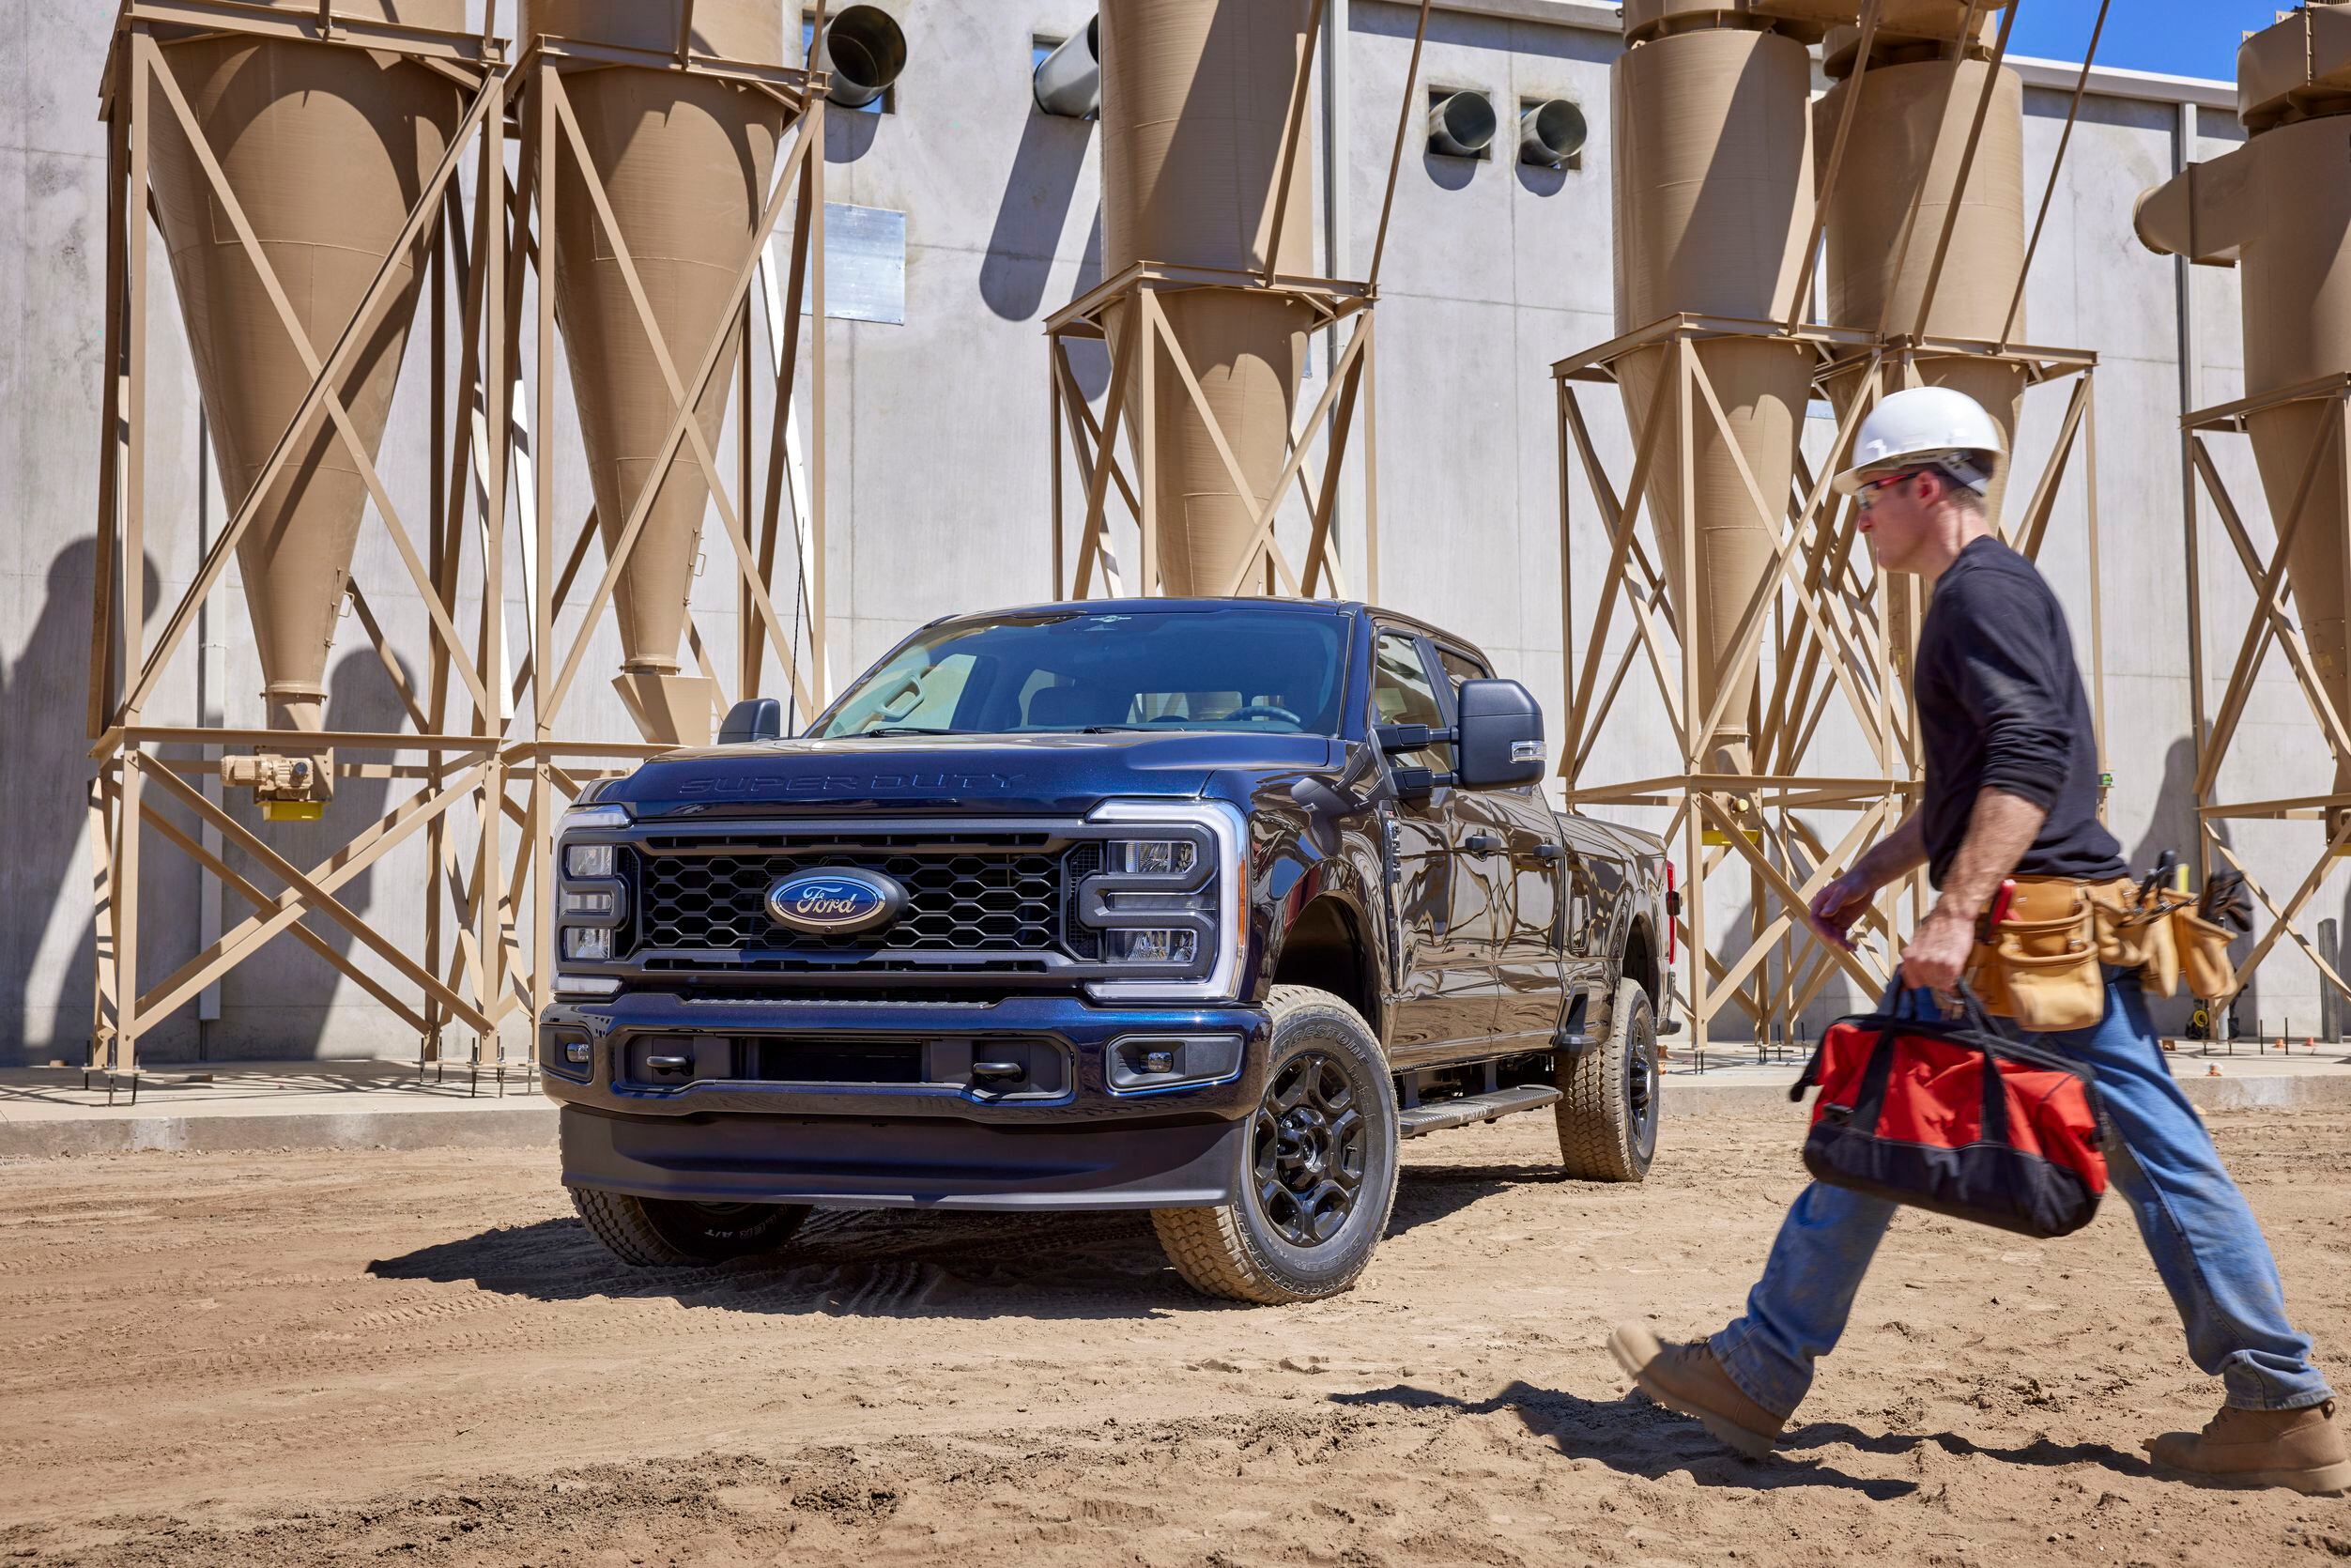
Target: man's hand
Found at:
1938, 952
1836, 907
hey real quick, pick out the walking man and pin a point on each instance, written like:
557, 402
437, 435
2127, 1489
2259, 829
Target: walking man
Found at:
2012, 789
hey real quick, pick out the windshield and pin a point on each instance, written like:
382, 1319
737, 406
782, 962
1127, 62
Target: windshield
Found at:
1085, 671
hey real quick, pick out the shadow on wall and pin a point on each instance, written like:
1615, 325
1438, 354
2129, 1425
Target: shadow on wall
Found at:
2172, 826
44, 777
1032, 214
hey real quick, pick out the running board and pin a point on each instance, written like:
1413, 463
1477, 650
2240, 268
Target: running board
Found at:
1443, 1114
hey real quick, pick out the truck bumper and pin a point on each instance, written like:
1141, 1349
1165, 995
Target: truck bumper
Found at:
935, 1163
1078, 1133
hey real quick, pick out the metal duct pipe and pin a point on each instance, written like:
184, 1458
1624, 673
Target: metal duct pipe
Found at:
865, 49
325, 147
1712, 159
2279, 209
1550, 134
1189, 178
684, 160
1461, 125
1069, 81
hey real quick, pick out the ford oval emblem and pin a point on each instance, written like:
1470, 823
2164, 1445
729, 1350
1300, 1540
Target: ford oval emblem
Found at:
837, 903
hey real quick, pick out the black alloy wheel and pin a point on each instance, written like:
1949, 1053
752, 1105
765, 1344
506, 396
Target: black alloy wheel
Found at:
1312, 1168
1309, 1149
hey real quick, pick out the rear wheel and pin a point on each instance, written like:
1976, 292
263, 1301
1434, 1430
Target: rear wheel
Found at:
668, 1232
1607, 1109
1317, 1172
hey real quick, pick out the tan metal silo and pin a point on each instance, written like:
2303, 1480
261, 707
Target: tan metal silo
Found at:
684, 160
2279, 209
326, 148
1907, 164
1197, 100
1713, 193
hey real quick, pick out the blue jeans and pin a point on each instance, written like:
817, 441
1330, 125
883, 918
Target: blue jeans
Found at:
2207, 1245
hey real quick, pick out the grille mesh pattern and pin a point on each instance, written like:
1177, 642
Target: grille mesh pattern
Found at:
955, 902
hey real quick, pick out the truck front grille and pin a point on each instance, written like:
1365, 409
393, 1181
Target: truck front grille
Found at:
997, 897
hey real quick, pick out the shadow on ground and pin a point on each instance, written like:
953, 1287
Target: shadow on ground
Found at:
898, 1263
1634, 1437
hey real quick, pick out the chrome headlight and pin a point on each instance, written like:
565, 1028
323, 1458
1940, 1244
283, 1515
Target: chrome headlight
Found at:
1171, 900
591, 896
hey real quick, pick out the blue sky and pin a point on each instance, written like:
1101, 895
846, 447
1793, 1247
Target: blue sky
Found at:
2185, 38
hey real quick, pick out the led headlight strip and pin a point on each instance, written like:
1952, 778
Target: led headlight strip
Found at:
1159, 908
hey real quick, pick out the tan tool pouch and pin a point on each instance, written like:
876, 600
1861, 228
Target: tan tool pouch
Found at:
2041, 966
2132, 935
2204, 954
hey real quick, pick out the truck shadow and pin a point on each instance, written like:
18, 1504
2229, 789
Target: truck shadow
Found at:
890, 1263
1634, 1436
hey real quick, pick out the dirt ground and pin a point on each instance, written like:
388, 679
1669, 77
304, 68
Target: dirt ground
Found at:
423, 1359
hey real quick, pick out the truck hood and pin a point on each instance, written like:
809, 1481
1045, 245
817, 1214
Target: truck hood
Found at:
1052, 775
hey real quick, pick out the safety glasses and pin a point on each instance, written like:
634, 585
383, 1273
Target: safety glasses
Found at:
1865, 492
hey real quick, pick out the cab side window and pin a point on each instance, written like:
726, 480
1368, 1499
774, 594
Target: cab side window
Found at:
1402, 693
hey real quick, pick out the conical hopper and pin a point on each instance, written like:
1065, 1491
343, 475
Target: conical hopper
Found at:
1196, 100
326, 148
2295, 290
686, 162
1907, 141
1714, 191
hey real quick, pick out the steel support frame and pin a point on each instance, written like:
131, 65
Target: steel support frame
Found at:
2272, 626
1827, 622
141, 765
756, 505
1125, 313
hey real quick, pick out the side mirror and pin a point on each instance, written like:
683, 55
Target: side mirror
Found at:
1498, 736
755, 719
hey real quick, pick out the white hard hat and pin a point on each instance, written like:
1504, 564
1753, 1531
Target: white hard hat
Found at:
1926, 427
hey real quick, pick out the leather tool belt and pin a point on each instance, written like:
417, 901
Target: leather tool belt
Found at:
2041, 966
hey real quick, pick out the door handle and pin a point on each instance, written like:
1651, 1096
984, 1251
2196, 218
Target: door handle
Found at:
1483, 843
1548, 853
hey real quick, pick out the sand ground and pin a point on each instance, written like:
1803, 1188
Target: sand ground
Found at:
423, 1358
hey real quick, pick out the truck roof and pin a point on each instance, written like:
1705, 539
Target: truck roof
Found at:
1299, 606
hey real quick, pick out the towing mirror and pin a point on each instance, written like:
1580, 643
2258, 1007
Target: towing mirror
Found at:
754, 718
1499, 733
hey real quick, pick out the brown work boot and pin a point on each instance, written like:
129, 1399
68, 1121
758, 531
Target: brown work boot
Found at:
2298, 1449
1686, 1377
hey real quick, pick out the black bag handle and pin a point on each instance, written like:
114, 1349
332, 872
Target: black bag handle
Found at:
1869, 1099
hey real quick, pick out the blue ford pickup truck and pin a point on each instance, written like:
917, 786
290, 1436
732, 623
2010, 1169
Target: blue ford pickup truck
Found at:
1192, 906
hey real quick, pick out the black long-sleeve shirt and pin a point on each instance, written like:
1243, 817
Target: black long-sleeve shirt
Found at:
2001, 707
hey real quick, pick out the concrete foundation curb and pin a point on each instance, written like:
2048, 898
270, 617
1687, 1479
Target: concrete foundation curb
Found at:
2230, 1092
507, 1127
525, 1126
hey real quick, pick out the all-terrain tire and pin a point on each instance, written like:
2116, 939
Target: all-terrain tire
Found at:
1607, 1108
1247, 1250
666, 1233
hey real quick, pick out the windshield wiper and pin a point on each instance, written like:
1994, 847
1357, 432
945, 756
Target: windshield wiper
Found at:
915, 729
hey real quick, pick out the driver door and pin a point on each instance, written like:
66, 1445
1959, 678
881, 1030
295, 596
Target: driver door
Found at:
1444, 992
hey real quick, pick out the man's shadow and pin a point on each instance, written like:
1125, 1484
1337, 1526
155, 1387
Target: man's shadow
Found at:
1634, 1436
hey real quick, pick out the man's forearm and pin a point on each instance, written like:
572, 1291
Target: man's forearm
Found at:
2000, 828
1896, 855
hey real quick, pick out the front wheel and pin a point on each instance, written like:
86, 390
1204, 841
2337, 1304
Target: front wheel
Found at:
670, 1233
1317, 1172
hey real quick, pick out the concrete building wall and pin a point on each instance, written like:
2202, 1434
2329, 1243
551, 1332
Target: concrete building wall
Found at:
939, 451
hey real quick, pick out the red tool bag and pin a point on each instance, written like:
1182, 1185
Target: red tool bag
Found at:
1957, 1117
